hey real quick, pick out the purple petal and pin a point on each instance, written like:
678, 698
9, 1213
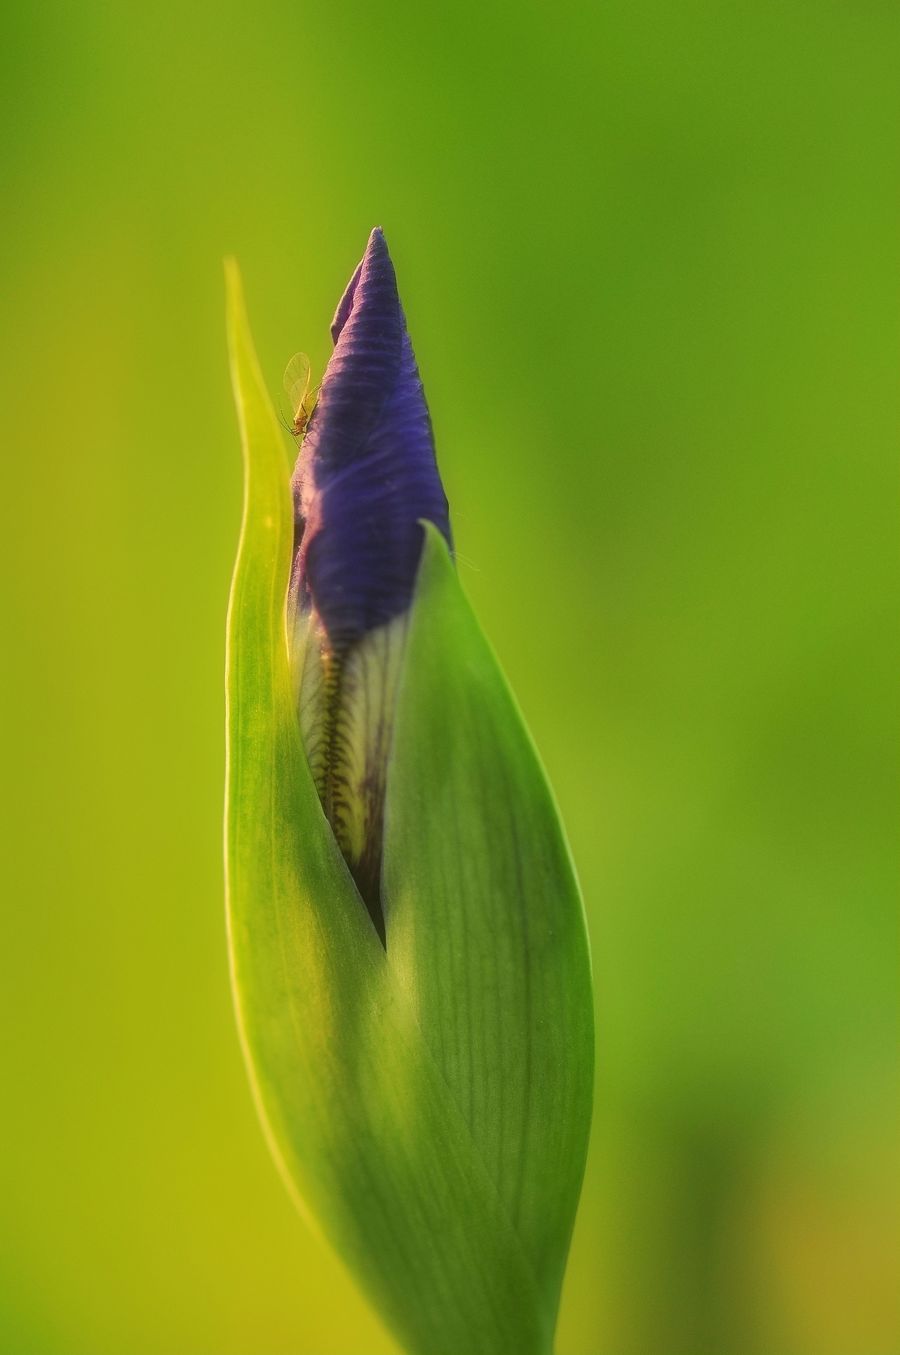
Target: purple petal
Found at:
366, 474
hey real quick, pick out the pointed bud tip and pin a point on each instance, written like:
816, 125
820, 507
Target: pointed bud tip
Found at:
376, 256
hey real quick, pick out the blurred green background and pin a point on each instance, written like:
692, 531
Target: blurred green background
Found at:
649, 256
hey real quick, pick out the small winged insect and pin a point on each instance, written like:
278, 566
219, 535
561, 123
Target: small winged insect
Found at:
297, 385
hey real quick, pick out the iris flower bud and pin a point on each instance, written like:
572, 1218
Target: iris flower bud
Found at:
365, 480
424, 1082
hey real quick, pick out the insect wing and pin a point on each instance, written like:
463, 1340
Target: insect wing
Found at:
296, 383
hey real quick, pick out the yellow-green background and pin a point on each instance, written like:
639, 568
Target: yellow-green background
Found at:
648, 251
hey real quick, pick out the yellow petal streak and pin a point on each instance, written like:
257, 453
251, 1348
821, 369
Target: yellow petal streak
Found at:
346, 709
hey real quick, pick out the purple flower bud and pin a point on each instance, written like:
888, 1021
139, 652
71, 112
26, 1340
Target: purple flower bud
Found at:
365, 480
366, 474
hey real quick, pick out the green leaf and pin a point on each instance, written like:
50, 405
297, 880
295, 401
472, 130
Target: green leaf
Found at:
485, 921
451, 1203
